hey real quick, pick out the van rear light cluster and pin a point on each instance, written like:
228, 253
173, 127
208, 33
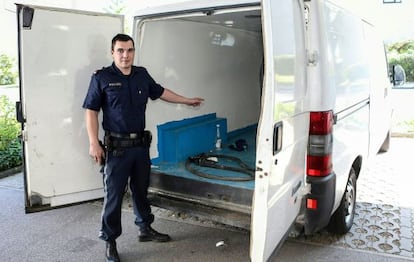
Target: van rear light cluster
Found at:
319, 158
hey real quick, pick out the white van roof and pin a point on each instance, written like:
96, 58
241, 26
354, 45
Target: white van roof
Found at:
194, 5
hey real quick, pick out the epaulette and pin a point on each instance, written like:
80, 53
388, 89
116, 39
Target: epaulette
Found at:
97, 71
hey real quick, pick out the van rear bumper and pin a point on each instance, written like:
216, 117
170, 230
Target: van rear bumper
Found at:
323, 191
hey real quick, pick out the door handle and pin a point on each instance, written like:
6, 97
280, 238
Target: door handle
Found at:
277, 137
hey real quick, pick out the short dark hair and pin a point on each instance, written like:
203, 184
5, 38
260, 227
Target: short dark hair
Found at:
122, 38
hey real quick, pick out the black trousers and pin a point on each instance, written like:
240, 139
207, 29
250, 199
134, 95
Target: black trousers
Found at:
134, 164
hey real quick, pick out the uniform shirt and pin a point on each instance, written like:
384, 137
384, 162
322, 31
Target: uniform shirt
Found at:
123, 99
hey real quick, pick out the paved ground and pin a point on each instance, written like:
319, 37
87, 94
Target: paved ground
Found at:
383, 229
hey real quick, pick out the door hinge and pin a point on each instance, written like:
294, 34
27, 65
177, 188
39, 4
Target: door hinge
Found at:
19, 112
24, 135
27, 20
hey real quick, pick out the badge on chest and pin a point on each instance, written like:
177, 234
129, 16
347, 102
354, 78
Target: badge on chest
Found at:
118, 84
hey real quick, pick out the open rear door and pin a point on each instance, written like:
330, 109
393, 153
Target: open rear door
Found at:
58, 51
283, 128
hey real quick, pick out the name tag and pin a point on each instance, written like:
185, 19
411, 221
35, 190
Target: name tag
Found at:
115, 84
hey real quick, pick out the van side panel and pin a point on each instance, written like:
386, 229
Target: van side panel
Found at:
349, 77
339, 81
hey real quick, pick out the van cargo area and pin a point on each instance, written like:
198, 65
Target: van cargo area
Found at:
216, 55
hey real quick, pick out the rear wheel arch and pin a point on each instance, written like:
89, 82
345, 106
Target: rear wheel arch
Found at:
386, 144
356, 165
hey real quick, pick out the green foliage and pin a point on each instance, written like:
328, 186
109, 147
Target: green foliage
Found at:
405, 127
402, 53
8, 75
406, 47
115, 7
410, 125
119, 7
12, 156
10, 148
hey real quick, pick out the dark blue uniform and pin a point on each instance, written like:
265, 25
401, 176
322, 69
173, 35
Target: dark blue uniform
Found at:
123, 101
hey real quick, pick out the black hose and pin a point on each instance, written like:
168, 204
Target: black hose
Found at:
204, 161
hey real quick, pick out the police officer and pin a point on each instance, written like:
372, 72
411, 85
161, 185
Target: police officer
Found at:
121, 90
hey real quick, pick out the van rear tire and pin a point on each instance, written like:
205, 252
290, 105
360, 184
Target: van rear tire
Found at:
343, 218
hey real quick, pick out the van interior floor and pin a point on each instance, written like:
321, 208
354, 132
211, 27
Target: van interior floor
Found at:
174, 177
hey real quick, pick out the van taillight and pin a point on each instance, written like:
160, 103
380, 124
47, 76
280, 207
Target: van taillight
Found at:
311, 203
319, 158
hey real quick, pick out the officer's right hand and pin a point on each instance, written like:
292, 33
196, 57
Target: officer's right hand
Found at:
97, 153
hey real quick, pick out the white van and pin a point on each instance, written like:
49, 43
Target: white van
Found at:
296, 99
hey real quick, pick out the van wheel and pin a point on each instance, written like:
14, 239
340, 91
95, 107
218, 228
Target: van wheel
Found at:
343, 218
386, 144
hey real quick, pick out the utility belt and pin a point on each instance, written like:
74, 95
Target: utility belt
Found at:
114, 141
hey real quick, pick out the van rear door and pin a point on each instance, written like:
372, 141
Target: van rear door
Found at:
283, 128
58, 51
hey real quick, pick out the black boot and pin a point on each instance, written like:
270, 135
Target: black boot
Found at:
111, 252
149, 234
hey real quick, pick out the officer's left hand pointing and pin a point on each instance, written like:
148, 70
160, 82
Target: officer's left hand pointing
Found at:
196, 101
172, 97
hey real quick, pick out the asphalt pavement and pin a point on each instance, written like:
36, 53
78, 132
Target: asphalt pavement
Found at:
383, 229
